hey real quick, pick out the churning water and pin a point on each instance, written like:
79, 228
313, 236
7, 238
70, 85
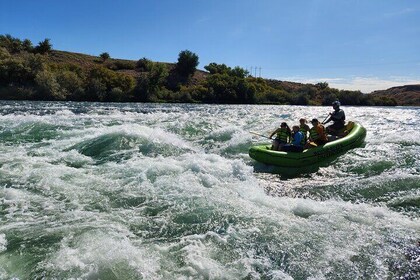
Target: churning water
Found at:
146, 191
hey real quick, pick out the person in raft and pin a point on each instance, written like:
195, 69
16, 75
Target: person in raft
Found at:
338, 117
298, 141
283, 135
317, 135
304, 128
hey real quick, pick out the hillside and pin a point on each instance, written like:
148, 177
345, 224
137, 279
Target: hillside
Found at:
119, 65
42, 73
408, 95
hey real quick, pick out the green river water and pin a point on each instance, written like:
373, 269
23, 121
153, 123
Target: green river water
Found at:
157, 191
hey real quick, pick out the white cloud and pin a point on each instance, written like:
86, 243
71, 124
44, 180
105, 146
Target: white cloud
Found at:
364, 84
400, 12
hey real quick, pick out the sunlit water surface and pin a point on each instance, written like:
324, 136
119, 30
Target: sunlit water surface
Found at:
146, 191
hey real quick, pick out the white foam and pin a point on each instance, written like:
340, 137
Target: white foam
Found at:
90, 254
223, 223
3, 242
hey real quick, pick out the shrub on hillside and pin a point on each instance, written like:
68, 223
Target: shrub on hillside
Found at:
144, 65
104, 56
273, 97
70, 84
14, 72
101, 81
224, 88
117, 95
4, 54
215, 68
187, 63
322, 85
149, 84
351, 97
122, 65
17, 93
96, 89
196, 93
27, 45
12, 44
48, 87
300, 99
43, 47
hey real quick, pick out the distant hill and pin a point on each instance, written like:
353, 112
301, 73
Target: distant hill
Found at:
408, 95
40, 72
119, 65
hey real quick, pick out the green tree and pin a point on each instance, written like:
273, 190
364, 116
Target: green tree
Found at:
19, 70
329, 99
322, 85
123, 82
158, 74
35, 62
96, 89
27, 45
12, 44
70, 84
48, 87
239, 72
4, 54
105, 56
300, 99
215, 68
187, 63
231, 89
43, 47
149, 85
122, 65
101, 81
117, 95
14, 72
144, 65
350, 97
273, 96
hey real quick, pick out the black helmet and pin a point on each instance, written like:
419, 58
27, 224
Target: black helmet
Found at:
336, 103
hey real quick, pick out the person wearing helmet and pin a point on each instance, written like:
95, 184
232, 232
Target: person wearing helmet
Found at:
338, 117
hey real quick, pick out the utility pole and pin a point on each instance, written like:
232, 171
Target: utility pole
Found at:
253, 71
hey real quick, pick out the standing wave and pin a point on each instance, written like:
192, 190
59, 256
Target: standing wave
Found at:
110, 191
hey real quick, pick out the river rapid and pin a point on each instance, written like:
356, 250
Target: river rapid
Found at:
159, 191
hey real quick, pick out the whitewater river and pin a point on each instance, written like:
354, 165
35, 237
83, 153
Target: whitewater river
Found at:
148, 191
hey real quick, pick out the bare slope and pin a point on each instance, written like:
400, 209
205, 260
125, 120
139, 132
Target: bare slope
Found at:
408, 95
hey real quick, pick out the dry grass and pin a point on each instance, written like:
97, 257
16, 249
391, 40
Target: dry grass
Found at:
408, 95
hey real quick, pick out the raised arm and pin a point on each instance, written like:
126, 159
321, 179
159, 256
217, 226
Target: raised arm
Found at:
328, 119
274, 132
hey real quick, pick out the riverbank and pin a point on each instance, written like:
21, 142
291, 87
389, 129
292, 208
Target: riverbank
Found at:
46, 74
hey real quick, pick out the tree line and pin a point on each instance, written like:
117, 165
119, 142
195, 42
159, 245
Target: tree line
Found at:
27, 72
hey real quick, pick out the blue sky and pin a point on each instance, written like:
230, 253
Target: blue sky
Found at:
364, 44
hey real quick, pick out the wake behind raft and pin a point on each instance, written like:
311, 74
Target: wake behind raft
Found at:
355, 138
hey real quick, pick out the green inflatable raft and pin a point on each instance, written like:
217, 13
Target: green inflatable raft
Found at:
353, 139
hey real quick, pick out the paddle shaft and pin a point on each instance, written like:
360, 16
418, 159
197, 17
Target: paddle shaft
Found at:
259, 134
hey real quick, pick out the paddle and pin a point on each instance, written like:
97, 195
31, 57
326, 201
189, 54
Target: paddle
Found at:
252, 132
325, 118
